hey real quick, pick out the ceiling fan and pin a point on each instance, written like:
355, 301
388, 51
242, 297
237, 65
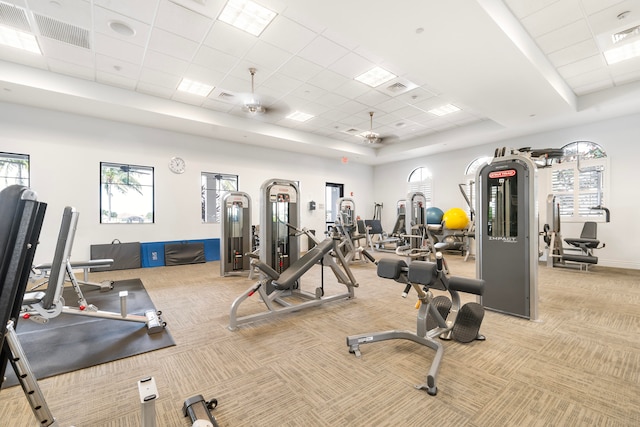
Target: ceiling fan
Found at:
252, 103
370, 136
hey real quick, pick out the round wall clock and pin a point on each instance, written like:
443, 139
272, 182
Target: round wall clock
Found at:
177, 165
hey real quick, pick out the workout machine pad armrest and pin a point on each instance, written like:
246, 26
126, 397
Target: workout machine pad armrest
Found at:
463, 284
390, 268
424, 273
265, 268
302, 265
587, 243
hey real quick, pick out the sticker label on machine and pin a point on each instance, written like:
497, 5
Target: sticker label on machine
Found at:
507, 173
282, 193
239, 201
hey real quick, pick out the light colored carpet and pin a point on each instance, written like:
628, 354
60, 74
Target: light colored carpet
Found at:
580, 365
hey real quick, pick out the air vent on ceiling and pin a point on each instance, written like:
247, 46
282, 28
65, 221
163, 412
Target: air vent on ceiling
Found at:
14, 17
397, 87
625, 34
61, 31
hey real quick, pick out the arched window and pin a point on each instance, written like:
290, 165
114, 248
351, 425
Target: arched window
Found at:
469, 181
578, 181
420, 181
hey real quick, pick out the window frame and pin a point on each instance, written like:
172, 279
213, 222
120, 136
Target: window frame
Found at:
217, 195
128, 169
424, 184
16, 158
581, 169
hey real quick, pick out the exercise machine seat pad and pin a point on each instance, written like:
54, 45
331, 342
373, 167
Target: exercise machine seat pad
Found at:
464, 284
579, 242
425, 273
391, 268
265, 268
289, 277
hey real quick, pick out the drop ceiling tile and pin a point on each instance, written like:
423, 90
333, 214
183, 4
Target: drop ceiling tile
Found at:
72, 69
70, 11
372, 97
188, 98
150, 89
66, 52
208, 8
216, 105
143, 11
582, 66
228, 39
416, 95
166, 63
327, 80
331, 99
103, 18
235, 84
523, 8
117, 48
264, 55
595, 76
594, 6
214, 59
553, 17
204, 75
159, 78
354, 107
574, 53
390, 105
281, 83
564, 37
309, 92
351, 65
304, 20
115, 80
314, 108
621, 78
591, 86
607, 22
353, 89
22, 57
182, 21
323, 52
287, 34
173, 45
408, 111
334, 114
117, 67
300, 69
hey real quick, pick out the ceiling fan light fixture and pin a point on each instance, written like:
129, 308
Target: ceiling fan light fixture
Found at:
370, 136
247, 16
253, 106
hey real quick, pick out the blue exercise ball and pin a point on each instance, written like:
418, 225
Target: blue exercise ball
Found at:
434, 215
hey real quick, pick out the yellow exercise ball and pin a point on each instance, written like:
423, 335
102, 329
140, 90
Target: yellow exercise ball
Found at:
455, 219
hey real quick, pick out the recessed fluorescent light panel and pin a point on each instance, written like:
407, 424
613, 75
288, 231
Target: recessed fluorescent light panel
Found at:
444, 110
195, 88
375, 77
299, 116
19, 39
622, 53
247, 16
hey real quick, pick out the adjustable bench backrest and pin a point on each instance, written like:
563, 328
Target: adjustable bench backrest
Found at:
60, 257
21, 217
288, 277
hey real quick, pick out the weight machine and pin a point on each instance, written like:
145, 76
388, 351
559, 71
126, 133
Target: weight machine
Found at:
437, 317
235, 231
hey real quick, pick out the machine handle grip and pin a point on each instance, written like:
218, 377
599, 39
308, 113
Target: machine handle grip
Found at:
368, 256
406, 290
439, 261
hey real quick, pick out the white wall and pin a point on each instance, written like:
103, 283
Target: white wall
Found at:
66, 150
619, 138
